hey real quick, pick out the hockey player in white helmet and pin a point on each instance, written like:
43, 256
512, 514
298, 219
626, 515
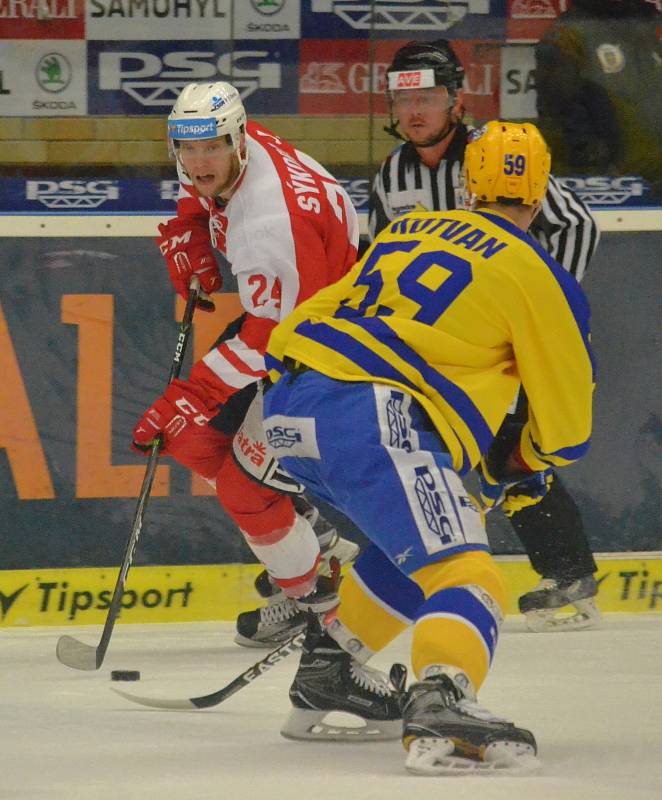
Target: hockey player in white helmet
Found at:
207, 127
287, 228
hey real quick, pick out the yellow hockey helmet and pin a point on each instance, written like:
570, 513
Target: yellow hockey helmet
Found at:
507, 162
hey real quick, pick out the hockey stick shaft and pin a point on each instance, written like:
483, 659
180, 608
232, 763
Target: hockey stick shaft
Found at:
69, 650
215, 698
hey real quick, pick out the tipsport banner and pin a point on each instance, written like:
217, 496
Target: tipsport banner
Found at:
80, 596
146, 77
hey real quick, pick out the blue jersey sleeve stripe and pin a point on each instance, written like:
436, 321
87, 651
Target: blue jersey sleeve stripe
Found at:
575, 297
573, 453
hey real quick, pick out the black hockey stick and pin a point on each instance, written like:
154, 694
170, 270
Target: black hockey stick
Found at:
207, 700
70, 651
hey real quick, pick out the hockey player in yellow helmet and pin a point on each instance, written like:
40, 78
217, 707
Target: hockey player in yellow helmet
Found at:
427, 340
507, 162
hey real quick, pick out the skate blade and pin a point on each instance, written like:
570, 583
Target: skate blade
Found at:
545, 620
309, 725
432, 756
244, 641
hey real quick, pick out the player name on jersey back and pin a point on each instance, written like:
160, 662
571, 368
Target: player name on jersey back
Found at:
460, 233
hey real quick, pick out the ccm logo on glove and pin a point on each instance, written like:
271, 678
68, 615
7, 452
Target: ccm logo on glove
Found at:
186, 245
170, 245
174, 416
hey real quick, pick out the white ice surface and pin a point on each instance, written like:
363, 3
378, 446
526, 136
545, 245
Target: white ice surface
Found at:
592, 698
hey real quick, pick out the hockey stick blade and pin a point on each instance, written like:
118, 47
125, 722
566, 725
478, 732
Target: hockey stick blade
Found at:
70, 651
215, 698
75, 654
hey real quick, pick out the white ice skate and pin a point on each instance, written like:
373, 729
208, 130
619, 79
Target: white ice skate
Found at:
446, 734
435, 756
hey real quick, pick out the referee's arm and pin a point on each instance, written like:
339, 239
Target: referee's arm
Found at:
566, 229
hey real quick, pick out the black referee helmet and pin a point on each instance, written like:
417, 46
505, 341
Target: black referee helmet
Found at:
437, 55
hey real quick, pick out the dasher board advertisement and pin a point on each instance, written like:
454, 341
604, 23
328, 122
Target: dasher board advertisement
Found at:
41, 78
146, 77
42, 19
171, 20
424, 19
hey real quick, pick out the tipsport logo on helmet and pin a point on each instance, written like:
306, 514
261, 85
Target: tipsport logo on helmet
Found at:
192, 129
398, 15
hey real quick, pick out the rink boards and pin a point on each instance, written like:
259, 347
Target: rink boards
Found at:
630, 582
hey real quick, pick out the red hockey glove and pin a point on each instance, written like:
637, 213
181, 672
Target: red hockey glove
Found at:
175, 415
186, 245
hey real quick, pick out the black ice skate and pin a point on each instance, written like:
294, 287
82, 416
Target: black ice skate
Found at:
274, 623
542, 605
330, 680
284, 616
446, 734
271, 625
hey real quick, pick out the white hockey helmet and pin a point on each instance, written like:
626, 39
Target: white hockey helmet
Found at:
207, 111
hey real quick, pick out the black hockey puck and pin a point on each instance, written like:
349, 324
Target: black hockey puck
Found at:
125, 675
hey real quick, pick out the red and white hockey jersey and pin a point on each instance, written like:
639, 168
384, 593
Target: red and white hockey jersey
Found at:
288, 230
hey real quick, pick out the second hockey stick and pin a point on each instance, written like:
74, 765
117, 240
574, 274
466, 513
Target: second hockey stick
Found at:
208, 700
70, 651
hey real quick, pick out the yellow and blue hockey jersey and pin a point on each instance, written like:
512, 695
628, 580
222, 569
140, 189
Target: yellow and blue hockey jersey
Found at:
458, 308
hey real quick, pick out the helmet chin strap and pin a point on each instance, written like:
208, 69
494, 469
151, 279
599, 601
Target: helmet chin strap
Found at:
450, 126
393, 131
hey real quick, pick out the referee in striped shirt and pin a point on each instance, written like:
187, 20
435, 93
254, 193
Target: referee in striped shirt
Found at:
426, 105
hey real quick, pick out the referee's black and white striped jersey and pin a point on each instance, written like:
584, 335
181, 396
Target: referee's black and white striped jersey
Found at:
564, 226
